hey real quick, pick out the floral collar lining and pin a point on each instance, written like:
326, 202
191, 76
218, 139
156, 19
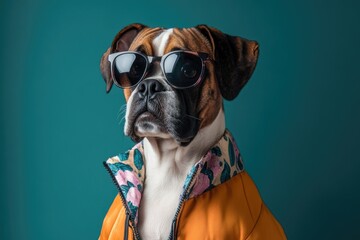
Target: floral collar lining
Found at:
218, 165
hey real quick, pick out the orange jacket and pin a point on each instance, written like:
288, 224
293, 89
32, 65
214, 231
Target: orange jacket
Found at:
219, 201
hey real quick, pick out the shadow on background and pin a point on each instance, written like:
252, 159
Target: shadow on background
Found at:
296, 122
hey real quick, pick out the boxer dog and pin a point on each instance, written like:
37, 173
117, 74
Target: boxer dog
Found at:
174, 81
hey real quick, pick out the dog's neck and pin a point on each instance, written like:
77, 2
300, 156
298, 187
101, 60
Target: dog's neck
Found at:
165, 155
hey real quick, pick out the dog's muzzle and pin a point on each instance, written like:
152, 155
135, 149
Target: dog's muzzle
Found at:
157, 110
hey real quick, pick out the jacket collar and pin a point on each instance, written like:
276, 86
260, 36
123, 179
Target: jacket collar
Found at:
218, 165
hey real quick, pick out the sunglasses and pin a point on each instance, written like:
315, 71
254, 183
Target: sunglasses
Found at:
182, 69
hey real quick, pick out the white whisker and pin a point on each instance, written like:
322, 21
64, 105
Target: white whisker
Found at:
193, 117
121, 113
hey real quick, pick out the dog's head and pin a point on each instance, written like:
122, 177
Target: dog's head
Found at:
176, 95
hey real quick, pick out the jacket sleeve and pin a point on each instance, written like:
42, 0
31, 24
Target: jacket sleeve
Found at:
266, 227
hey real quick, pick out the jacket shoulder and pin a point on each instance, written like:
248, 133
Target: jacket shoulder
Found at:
266, 226
230, 210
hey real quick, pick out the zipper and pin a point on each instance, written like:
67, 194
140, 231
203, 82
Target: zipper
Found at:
173, 226
126, 229
127, 210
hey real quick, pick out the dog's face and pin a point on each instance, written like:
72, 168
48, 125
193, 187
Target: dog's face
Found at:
157, 108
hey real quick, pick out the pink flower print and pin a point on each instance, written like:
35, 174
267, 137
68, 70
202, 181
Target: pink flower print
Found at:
236, 150
214, 165
122, 177
133, 196
201, 184
206, 157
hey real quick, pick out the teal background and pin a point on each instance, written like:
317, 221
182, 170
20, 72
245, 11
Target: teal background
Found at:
296, 122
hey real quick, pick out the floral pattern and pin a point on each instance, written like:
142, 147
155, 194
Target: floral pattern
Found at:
218, 165
128, 172
222, 162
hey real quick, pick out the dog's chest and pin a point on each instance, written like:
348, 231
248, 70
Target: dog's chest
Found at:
158, 206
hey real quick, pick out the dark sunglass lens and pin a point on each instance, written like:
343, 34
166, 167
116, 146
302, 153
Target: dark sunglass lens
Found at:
182, 69
129, 68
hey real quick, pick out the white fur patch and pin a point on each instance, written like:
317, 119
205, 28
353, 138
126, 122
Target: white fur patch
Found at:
160, 42
128, 107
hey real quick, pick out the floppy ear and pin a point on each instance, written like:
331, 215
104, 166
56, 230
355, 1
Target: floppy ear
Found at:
121, 42
235, 60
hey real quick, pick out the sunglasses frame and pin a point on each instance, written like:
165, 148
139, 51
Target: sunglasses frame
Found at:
204, 57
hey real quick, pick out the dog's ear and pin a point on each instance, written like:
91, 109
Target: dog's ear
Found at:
121, 42
235, 60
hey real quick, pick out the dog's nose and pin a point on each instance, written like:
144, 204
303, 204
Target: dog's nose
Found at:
149, 88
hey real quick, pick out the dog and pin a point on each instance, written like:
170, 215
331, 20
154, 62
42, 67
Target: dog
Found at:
184, 179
